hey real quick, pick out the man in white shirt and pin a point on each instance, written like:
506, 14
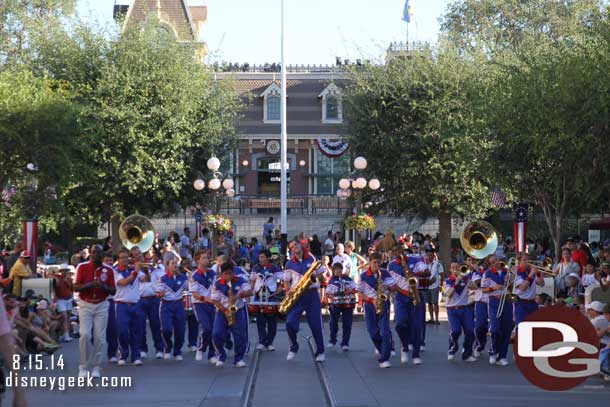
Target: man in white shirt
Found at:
431, 290
344, 259
329, 245
185, 244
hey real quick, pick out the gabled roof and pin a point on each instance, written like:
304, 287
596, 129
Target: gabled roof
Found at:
273, 88
174, 13
331, 89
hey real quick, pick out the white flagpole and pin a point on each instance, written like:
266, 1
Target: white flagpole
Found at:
284, 136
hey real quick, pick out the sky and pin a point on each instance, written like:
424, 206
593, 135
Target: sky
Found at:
317, 31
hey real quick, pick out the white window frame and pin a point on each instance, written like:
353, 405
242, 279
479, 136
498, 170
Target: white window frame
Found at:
272, 90
334, 91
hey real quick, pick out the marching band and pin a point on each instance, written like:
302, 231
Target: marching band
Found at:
223, 297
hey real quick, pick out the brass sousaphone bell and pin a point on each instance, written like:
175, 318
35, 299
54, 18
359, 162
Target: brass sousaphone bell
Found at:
137, 230
479, 239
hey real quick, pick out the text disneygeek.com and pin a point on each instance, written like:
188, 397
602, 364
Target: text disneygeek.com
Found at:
65, 382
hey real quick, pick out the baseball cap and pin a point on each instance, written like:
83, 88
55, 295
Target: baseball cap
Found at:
25, 254
596, 306
576, 276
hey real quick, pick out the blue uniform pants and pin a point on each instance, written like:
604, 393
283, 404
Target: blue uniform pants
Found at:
112, 335
205, 318
378, 327
171, 314
523, 309
461, 319
421, 318
310, 303
481, 325
346, 314
266, 325
193, 329
500, 328
129, 324
238, 330
150, 311
404, 317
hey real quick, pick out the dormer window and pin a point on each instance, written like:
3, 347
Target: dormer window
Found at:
271, 103
332, 109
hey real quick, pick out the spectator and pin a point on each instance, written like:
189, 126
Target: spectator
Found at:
343, 259
64, 291
564, 268
596, 313
7, 350
50, 320
358, 262
578, 255
268, 230
315, 246
573, 289
185, 244
387, 242
589, 277
19, 271
257, 248
604, 355
329, 245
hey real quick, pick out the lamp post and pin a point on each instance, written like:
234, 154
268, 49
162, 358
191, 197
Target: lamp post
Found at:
355, 185
214, 185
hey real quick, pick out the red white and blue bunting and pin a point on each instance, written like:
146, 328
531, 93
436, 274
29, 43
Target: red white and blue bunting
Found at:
332, 147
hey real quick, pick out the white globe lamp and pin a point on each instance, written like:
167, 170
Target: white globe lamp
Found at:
344, 183
374, 184
230, 192
360, 183
214, 184
228, 183
199, 184
213, 164
360, 163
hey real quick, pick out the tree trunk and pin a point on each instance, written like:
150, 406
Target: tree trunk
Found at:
444, 240
115, 221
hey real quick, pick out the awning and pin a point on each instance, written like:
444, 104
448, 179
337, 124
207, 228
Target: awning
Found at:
600, 224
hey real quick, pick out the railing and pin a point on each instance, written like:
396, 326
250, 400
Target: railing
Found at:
339, 67
408, 46
296, 204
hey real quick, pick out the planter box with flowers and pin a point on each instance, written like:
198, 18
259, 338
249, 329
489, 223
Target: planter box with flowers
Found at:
360, 222
219, 223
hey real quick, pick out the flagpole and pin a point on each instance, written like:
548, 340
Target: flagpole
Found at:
284, 137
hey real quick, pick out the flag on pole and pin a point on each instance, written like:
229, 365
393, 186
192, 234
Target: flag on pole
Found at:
498, 198
30, 240
407, 12
7, 194
520, 226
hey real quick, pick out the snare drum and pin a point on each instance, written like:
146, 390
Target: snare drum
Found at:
263, 307
254, 308
187, 302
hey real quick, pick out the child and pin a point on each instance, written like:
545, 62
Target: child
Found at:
589, 277
173, 319
227, 292
342, 300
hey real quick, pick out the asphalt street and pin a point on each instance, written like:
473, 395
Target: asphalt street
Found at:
352, 378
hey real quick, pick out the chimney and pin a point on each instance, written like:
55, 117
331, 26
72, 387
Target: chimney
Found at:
199, 14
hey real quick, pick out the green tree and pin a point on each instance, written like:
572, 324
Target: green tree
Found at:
415, 120
38, 125
547, 106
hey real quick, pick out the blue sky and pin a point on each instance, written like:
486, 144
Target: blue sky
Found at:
317, 30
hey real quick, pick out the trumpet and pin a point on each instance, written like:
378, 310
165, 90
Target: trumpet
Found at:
464, 270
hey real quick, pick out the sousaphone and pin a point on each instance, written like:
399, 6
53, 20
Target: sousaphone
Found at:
479, 239
137, 230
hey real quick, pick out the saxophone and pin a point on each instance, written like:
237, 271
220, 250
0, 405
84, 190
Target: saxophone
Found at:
304, 283
381, 296
232, 308
413, 293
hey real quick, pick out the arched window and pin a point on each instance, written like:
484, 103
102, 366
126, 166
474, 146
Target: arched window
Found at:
271, 103
273, 108
332, 109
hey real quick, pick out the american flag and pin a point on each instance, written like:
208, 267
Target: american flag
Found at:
7, 194
520, 230
498, 198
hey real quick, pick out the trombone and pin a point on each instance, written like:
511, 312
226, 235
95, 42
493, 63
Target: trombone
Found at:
509, 281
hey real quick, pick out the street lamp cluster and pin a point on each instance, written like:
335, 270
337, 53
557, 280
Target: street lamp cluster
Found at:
217, 181
357, 183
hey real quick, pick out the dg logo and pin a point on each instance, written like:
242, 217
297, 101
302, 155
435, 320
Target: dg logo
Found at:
556, 348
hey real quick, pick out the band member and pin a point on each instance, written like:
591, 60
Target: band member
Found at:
459, 313
149, 303
127, 305
112, 335
228, 293
309, 302
527, 280
266, 316
171, 311
481, 300
94, 282
374, 283
493, 284
200, 286
341, 294
407, 316
427, 272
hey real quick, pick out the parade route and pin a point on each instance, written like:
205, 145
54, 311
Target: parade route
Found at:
354, 378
